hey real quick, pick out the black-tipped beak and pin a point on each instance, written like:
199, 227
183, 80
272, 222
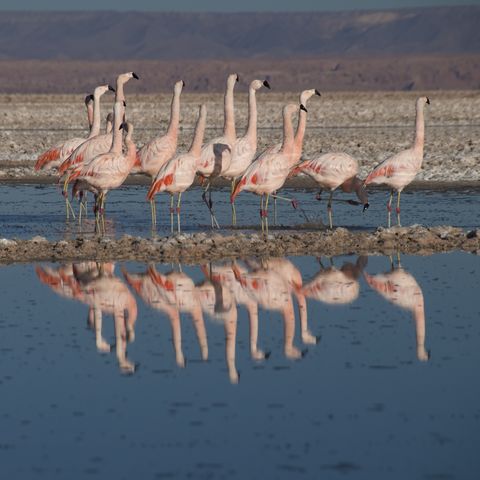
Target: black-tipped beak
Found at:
183, 83
135, 76
318, 93
123, 126
366, 206
111, 88
124, 103
303, 108
88, 99
266, 84
428, 101
238, 78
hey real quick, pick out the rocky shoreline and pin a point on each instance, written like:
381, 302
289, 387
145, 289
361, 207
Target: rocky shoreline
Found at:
203, 247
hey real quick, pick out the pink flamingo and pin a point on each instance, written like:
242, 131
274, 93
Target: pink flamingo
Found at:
270, 170
305, 95
216, 154
333, 170
401, 289
398, 171
245, 147
109, 123
178, 173
57, 154
156, 153
109, 170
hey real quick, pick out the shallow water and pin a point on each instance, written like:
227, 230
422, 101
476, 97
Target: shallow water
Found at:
29, 210
364, 402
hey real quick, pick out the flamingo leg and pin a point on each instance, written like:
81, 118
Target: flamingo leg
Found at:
266, 213
389, 209
178, 211
209, 204
398, 210
171, 212
234, 212
102, 213
98, 202
329, 209
261, 212
275, 208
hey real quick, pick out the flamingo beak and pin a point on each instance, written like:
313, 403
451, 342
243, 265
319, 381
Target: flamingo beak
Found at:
428, 101
111, 88
366, 206
124, 103
135, 76
318, 93
303, 108
266, 84
88, 99
124, 126
238, 78
183, 83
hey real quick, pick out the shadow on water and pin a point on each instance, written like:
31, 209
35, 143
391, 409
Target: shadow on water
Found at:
299, 364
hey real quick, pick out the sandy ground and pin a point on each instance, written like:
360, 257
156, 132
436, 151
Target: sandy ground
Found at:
369, 126
193, 248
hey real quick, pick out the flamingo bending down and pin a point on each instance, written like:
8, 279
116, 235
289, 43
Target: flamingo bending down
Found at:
178, 173
245, 147
109, 170
154, 154
270, 170
57, 154
333, 170
398, 171
400, 288
216, 154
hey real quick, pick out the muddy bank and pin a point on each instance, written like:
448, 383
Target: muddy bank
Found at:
201, 247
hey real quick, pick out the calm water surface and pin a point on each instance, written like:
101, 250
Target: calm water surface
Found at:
29, 210
128, 370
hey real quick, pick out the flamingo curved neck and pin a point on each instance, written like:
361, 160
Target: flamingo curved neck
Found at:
229, 120
174, 116
117, 133
196, 147
419, 130
287, 145
252, 116
300, 133
90, 116
95, 130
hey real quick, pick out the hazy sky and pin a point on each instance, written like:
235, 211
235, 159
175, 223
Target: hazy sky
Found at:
222, 5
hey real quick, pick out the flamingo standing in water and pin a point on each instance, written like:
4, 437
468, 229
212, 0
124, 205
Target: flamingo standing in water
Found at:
109, 170
400, 288
154, 154
57, 154
269, 171
398, 171
333, 170
245, 147
178, 173
216, 154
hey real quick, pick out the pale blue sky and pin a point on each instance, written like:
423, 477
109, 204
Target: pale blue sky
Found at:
223, 5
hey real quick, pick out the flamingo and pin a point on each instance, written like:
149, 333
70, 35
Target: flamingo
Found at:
57, 154
109, 170
401, 289
270, 170
333, 170
153, 155
109, 123
178, 173
216, 154
245, 147
305, 95
400, 169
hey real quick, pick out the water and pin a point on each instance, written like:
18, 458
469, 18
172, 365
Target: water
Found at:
29, 210
390, 390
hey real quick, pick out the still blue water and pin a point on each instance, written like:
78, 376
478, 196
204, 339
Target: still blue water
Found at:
389, 390
28, 210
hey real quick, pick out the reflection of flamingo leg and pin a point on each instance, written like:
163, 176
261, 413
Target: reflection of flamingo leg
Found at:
255, 353
177, 339
102, 345
121, 343
230, 341
291, 352
201, 332
307, 337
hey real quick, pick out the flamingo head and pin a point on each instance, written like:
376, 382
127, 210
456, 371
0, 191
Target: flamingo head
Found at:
88, 99
258, 84
232, 79
307, 94
178, 87
100, 90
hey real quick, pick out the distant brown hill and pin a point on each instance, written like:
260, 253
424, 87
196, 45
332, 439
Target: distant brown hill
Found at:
157, 36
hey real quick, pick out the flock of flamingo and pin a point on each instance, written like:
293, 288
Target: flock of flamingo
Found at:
102, 161
273, 285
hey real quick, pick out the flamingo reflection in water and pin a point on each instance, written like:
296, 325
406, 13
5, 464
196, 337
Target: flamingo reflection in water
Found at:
271, 284
96, 285
336, 286
172, 293
401, 289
